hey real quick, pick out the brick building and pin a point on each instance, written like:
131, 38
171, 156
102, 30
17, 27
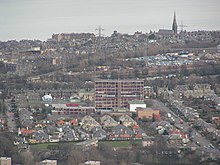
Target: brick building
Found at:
111, 94
148, 113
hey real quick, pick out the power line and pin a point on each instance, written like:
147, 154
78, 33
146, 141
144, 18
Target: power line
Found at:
99, 39
99, 31
182, 26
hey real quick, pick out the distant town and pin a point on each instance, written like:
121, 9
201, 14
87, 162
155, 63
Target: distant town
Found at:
86, 99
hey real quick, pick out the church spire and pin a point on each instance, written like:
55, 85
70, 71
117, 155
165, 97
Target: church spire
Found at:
174, 26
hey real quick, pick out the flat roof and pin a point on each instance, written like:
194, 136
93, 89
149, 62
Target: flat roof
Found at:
136, 102
119, 80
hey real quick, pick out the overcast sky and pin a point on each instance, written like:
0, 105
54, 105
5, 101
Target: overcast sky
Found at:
39, 19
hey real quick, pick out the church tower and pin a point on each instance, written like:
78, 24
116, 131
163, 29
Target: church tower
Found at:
174, 26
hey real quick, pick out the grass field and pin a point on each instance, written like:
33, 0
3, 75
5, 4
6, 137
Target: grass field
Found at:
116, 144
45, 146
119, 144
42, 146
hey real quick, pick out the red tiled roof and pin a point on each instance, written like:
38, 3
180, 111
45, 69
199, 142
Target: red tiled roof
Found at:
138, 136
26, 131
125, 136
136, 127
73, 122
182, 135
60, 122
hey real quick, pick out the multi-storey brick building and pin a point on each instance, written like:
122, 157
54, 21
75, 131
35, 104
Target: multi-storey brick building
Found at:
111, 94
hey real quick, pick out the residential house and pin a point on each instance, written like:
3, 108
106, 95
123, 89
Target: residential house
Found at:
201, 125
121, 132
88, 144
138, 132
127, 120
41, 124
91, 163
54, 139
148, 92
47, 162
26, 118
20, 140
39, 137
50, 130
179, 91
177, 137
25, 131
73, 122
87, 94
99, 133
60, 122
215, 99
2, 124
162, 127
108, 121
82, 134
216, 120
148, 141
88, 123
69, 134
198, 91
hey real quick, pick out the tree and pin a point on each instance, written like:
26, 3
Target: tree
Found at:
123, 162
75, 157
2, 107
145, 72
152, 37
114, 75
27, 158
6, 145
184, 71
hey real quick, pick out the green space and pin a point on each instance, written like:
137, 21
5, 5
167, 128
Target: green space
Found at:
45, 146
117, 143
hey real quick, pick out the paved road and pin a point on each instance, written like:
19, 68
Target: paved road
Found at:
10, 117
202, 142
11, 122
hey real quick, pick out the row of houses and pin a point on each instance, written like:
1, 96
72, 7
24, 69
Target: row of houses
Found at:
173, 136
87, 127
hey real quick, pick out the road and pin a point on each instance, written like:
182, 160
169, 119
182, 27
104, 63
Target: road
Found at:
10, 117
202, 142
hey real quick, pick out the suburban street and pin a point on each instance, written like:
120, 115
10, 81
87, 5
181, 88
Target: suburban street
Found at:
202, 142
10, 115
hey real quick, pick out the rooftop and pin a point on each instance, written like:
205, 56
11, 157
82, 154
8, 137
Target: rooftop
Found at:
117, 80
136, 102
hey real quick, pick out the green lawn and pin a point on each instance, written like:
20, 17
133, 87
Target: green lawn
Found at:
45, 146
117, 143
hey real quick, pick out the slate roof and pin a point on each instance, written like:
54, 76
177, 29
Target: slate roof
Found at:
100, 134
121, 129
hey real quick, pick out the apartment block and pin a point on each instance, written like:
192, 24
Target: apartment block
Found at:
111, 94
